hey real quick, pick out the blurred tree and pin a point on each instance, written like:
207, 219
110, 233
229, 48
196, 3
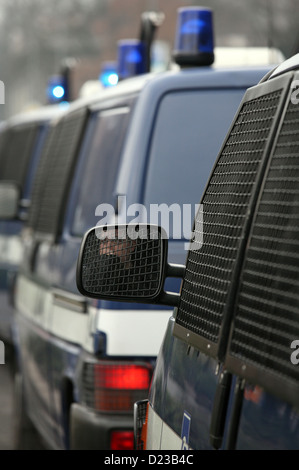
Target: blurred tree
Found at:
35, 35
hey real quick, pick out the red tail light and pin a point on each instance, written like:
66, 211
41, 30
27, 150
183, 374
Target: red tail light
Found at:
117, 386
125, 377
122, 440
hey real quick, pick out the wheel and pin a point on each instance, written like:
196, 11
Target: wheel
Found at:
25, 436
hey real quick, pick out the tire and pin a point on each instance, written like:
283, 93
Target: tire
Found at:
25, 436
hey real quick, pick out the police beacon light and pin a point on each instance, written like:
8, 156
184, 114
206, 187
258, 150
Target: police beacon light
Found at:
194, 41
108, 75
56, 89
131, 58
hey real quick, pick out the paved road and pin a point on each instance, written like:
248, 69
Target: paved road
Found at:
6, 405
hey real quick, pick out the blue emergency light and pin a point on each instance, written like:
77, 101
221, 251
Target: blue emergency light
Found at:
131, 58
56, 89
109, 76
194, 42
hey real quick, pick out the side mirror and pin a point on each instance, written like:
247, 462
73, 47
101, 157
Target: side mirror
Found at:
126, 263
9, 200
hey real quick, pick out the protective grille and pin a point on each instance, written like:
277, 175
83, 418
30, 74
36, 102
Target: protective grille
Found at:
16, 152
267, 309
122, 267
209, 270
54, 174
41, 175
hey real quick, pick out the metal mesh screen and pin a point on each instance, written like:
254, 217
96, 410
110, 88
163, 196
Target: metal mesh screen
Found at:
16, 151
267, 310
122, 267
54, 174
41, 175
209, 271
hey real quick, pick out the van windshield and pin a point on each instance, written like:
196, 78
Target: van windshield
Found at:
98, 171
189, 131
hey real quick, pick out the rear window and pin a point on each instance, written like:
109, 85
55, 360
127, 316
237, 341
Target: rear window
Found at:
188, 133
97, 178
54, 174
16, 149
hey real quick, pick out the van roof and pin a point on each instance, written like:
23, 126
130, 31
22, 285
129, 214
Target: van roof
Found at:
234, 76
188, 79
41, 114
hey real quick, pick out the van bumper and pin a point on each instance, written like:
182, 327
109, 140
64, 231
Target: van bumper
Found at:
91, 431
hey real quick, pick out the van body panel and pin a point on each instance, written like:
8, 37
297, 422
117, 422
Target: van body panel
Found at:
173, 371
33, 353
116, 325
160, 436
262, 414
262, 419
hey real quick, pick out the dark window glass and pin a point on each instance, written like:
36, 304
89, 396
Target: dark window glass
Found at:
55, 174
189, 131
98, 177
16, 151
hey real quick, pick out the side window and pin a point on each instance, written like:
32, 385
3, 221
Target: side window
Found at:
17, 150
97, 179
54, 174
189, 131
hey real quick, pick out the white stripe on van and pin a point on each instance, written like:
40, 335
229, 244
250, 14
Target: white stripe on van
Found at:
68, 324
128, 332
28, 295
133, 332
37, 304
11, 249
159, 435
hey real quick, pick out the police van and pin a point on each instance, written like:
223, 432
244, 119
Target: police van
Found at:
21, 141
82, 362
226, 375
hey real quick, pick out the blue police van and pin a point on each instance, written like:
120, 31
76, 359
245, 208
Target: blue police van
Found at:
84, 362
21, 141
226, 375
